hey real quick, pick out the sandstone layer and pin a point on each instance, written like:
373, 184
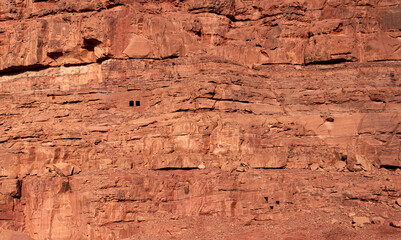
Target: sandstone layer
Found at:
224, 119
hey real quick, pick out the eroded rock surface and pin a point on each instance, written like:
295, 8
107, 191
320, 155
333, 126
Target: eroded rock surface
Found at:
227, 119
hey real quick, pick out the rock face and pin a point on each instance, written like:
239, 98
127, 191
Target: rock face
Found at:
227, 119
11, 235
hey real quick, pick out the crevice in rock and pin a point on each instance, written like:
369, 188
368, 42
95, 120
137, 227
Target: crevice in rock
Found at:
69, 138
69, 10
11, 71
193, 110
363, 199
384, 60
77, 64
147, 124
329, 62
338, 28
390, 167
175, 168
28, 105
267, 168
170, 57
224, 99
55, 55
18, 190
90, 44
227, 190
25, 137
230, 100
375, 98
118, 222
71, 102
102, 59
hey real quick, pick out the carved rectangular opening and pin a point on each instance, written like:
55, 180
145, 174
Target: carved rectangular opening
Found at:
138, 103
131, 103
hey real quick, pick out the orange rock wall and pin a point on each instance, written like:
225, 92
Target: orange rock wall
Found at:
229, 90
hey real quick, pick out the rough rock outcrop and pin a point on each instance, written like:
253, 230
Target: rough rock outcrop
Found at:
224, 119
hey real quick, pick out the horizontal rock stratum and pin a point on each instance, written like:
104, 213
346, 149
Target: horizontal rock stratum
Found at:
181, 119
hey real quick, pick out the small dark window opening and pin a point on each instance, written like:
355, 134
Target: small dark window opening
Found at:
138, 103
267, 199
271, 207
131, 103
277, 202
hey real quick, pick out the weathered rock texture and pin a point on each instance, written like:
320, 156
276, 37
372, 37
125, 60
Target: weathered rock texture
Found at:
228, 119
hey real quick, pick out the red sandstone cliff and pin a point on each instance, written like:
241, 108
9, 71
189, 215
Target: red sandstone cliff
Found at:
223, 119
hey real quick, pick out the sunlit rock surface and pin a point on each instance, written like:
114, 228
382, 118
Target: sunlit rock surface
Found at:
228, 119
